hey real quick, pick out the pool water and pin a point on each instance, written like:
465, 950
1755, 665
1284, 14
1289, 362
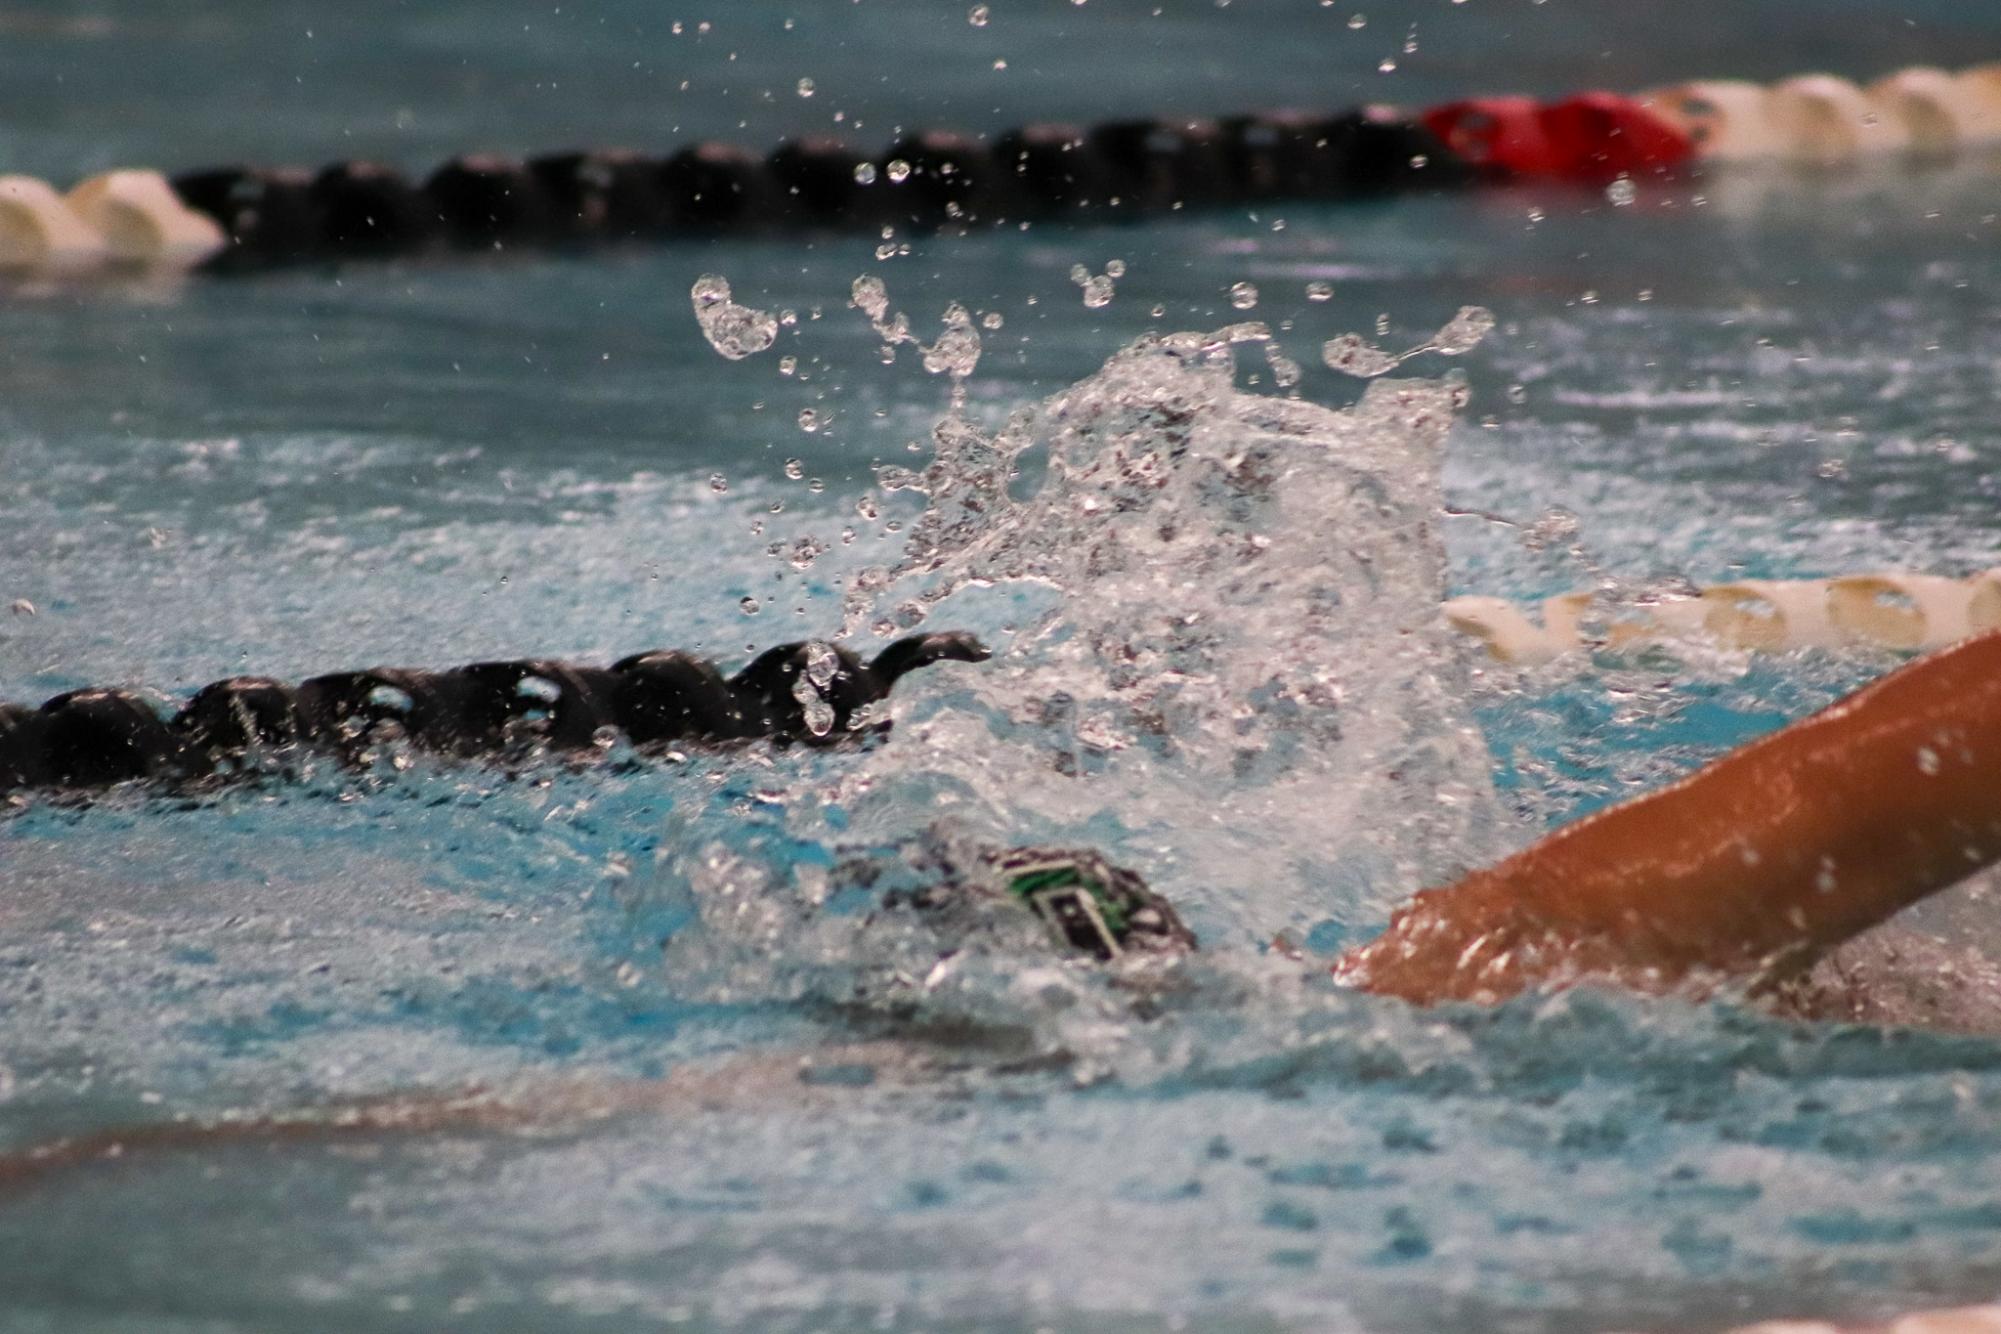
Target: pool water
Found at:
1754, 373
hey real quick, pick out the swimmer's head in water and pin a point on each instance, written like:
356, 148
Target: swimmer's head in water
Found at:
1084, 903
1090, 904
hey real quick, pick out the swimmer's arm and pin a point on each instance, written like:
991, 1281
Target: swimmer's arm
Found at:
1755, 864
762, 1080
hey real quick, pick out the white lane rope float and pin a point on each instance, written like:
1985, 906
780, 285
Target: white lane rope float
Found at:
1899, 611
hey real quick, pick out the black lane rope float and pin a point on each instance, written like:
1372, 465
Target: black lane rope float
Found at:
924, 182
812, 692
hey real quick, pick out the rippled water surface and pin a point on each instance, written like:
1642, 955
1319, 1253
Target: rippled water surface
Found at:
1230, 679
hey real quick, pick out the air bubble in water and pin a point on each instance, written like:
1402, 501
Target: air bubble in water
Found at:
1464, 331
1115, 268
1320, 291
718, 483
1622, 192
788, 365
749, 606
794, 469
735, 331
809, 420
1243, 295
991, 320
978, 16
899, 170
865, 174
806, 88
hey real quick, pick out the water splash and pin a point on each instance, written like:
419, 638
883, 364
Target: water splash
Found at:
1352, 354
1232, 674
733, 330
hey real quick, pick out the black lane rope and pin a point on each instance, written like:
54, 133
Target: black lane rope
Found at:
248, 216
96, 737
925, 182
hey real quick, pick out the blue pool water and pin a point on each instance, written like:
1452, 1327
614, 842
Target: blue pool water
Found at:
1750, 374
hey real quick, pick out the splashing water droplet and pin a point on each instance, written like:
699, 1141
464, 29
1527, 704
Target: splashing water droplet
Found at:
805, 551
733, 330
1285, 372
1351, 354
822, 663
957, 350
1098, 289
1464, 331
869, 296
814, 710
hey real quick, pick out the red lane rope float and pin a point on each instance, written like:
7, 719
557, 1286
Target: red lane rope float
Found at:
1497, 135
1604, 136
